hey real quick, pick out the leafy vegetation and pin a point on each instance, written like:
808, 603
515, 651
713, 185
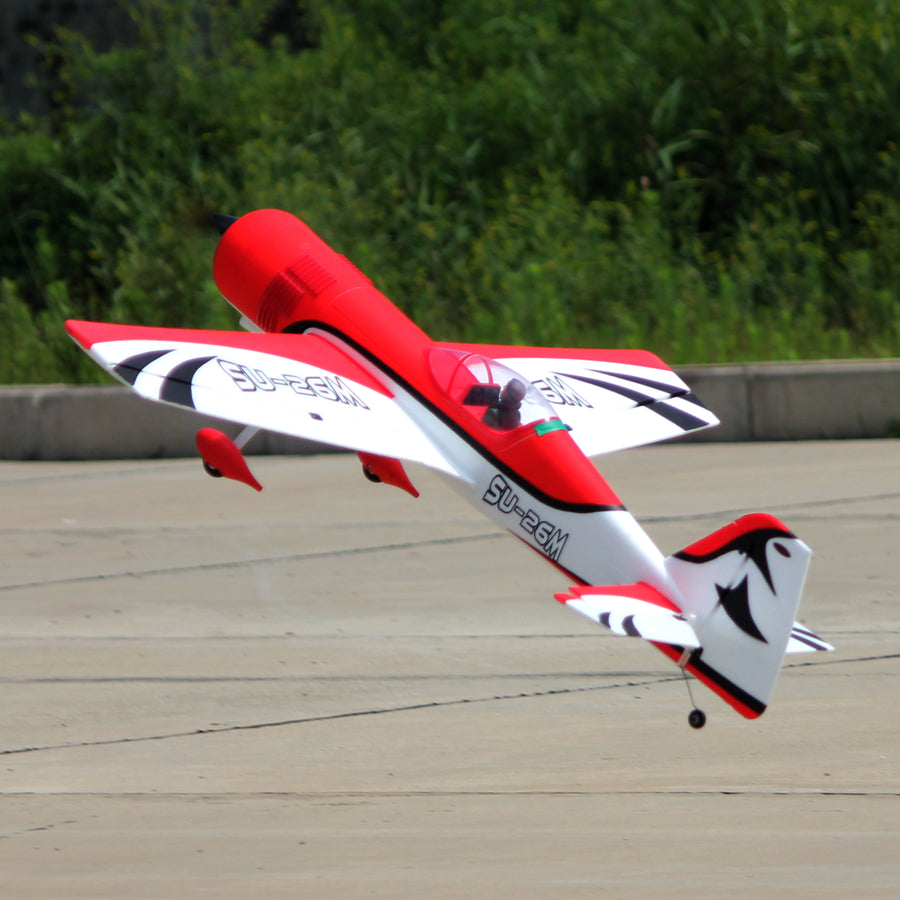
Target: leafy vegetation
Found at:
715, 180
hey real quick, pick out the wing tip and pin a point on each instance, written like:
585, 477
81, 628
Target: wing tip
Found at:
77, 329
802, 640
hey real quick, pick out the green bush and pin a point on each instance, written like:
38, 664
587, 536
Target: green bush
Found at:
713, 181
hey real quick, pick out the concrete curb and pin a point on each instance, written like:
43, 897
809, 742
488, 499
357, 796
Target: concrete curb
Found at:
799, 401
757, 402
53, 422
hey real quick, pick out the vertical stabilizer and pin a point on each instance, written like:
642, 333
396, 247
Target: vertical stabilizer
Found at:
741, 587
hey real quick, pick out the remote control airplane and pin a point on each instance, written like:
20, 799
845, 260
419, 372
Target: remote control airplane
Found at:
330, 358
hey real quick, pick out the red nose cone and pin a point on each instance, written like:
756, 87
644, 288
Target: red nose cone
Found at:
277, 271
254, 249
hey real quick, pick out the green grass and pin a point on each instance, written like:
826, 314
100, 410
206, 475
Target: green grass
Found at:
711, 181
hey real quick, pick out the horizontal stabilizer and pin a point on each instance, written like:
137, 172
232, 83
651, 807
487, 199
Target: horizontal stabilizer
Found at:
803, 640
632, 610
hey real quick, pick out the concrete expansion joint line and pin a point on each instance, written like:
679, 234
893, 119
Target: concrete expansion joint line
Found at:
412, 707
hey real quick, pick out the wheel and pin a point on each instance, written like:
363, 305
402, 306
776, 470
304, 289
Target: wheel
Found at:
210, 470
371, 475
696, 718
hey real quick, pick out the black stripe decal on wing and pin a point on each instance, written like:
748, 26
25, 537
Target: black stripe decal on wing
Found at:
804, 640
808, 638
678, 417
682, 393
177, 384
639, 398
129, 369
684, 420
691, 397
800, 630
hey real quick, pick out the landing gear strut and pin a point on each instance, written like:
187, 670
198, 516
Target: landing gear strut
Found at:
696, 717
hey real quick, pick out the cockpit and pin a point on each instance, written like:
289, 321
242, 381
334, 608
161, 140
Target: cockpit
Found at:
488, 390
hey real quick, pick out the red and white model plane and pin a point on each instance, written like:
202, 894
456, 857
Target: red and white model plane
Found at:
330, 358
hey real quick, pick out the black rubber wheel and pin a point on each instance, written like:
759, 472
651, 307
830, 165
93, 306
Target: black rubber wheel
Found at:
371, 475
210, 470
696, 718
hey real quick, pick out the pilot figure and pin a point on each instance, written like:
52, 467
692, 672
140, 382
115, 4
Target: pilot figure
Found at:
504, 414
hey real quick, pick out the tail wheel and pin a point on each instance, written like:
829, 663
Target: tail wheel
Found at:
696, 718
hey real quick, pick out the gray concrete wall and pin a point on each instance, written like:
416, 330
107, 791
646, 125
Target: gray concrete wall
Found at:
53, 422
758, 402
837, 399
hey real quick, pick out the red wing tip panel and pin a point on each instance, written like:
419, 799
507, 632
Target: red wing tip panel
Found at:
303, 348
80, 332
640, 591
507, 351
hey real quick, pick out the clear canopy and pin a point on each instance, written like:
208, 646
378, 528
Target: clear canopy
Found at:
488, 390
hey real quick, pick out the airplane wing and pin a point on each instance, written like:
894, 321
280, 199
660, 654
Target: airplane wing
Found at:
295, 384
632, 610
611, 399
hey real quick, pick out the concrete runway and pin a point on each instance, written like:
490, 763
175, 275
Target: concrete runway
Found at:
331, 690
